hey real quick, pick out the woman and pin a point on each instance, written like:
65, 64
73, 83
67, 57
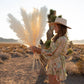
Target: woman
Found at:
55, 54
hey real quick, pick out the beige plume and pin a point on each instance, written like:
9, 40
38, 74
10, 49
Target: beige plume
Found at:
34, 26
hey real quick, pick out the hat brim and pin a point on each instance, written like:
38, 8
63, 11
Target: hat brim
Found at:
53, 23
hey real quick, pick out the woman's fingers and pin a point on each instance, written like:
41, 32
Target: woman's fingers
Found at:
34, 48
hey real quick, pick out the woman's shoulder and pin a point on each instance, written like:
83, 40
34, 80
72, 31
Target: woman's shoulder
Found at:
62, 38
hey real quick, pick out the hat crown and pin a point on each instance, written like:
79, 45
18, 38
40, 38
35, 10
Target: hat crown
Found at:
61, 21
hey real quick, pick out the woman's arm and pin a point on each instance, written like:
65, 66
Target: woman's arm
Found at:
60, 44
39, 51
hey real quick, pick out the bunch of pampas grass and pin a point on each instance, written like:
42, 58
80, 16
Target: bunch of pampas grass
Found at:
34, 26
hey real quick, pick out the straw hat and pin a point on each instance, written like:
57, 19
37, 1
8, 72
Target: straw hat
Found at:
61, 21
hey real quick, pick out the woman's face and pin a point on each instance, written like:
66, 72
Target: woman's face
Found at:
56, 28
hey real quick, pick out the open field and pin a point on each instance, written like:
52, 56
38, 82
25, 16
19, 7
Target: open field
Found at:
16, 65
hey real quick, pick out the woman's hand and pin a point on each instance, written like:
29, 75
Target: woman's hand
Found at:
48, 54
35, 49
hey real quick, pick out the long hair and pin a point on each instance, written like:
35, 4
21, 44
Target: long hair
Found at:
62, 31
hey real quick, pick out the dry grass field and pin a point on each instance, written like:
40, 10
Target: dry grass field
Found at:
16, 65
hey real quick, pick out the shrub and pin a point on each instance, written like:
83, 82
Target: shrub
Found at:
16, 54
60, 16
7, 50
1, 62
80, 65
69, 51
5, 56
72, 68
19, 50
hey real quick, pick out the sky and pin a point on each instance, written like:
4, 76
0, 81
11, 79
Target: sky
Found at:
72, 10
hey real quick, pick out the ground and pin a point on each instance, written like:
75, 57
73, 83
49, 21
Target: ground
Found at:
18, 69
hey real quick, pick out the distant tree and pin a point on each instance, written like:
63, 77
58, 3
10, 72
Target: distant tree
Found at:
51, 16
